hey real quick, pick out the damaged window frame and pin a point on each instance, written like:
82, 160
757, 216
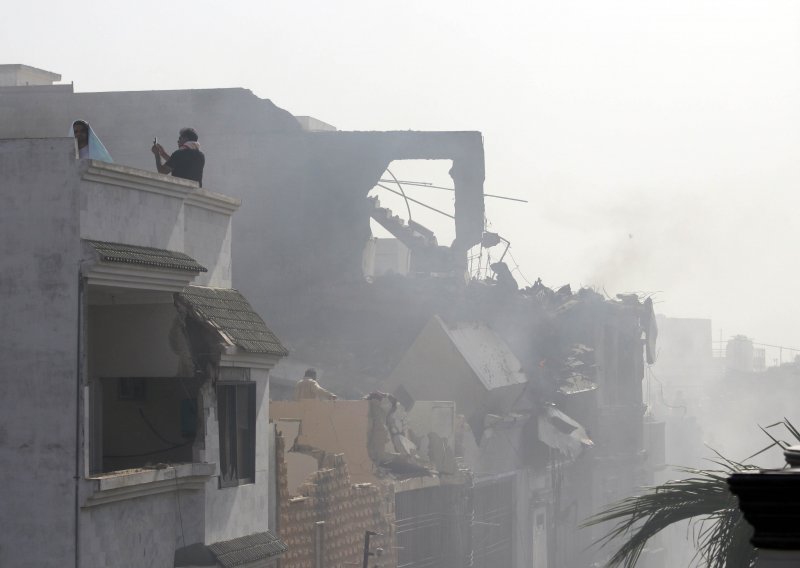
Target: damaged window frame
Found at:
237, 457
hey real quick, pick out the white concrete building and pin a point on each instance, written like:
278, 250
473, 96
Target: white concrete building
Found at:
17, 75
133, 380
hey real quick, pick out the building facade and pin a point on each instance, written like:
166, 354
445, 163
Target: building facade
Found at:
134, 407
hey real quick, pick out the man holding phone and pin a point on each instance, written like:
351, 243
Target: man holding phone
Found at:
186, 162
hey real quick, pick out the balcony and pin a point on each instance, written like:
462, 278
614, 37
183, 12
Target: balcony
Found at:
119, 204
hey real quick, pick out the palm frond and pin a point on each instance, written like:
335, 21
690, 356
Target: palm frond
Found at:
720, 532
723, 540
641, 517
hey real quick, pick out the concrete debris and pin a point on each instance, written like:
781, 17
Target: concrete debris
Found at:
579, 371
562, 433
393, 445
505, 279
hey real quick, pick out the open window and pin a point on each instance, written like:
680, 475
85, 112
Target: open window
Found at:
144, 391
236, 409
160, 355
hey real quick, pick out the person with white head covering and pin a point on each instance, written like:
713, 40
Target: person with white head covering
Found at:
89, 145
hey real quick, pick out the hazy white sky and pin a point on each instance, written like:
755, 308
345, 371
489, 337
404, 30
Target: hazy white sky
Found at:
657, 141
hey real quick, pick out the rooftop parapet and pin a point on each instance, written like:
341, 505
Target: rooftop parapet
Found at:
119, 204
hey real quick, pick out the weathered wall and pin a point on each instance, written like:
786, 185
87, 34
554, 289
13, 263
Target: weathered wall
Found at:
40, 251
141, 532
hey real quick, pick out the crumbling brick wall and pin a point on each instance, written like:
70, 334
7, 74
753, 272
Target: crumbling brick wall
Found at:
348, 512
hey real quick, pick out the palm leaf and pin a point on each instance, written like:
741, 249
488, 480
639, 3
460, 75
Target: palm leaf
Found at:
641, 517
721, 534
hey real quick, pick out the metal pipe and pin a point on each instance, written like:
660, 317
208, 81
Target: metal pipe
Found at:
401, 191
319, 544
426, 184
415, 201
366, 550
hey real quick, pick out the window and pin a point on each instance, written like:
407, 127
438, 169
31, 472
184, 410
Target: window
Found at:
237, 432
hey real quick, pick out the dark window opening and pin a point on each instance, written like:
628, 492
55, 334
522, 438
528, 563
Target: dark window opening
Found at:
146, 421
237, 433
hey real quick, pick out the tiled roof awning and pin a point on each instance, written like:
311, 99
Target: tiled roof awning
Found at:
233, 317
244, 550
147, 256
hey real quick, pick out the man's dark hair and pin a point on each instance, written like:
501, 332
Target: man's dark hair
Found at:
311, 374
189, 134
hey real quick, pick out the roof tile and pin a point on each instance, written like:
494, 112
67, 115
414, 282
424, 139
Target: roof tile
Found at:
228, 311
148, 256
247, 549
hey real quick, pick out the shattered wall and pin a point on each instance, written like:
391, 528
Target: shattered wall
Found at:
377, 437
335, 427
347, 509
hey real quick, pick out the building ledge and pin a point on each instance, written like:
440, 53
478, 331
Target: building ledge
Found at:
415, 483
234, 357
138, 277
142, 482
142, 180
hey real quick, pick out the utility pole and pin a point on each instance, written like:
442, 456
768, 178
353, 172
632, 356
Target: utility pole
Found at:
367, 553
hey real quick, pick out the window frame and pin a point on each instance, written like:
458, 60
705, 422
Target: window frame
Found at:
230, 447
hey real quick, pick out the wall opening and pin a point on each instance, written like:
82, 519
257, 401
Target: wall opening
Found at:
412, 219
143, 386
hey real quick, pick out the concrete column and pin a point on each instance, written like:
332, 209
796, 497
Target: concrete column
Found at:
770, 501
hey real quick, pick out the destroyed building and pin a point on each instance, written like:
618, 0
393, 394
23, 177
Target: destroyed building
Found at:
347, 462
551, 434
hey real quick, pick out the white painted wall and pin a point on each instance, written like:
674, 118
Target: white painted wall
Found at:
124, 215
140, 532
207, 239
232, 512
15, 76
127, 205
39, 263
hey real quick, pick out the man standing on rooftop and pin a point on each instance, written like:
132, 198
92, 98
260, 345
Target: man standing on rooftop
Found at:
186, 162
308, 387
